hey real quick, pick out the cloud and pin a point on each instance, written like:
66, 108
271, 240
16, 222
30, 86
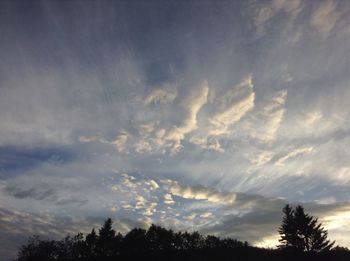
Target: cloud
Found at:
168, 199
140, 201
85, 139
261, 158
121, 141
230, 108
206, 215
237, 103
25, 158
151, 137
39, 193
271, 117
192, 105
158, 96
143, 146
313, 117
209, 143
129, 181
153, 185
263, 13
191, 217
42, 191
325, 17
149, 211
200, 193
295, 153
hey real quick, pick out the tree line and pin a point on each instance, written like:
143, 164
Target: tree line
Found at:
301, 237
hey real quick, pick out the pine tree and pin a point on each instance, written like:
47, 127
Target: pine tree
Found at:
106, 238
302, 231
288, 228
91, 241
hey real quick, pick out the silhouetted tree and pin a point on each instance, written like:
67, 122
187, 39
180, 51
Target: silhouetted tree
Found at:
117, 244
91, 244
302, 231
71, 247
135, 240
105, 240
159, 238
192, 240
212, 242
38, 250
287, 230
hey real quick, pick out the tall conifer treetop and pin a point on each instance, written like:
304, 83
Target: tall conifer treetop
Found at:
302, 231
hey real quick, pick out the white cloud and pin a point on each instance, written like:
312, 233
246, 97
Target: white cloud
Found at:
237, 103
209, 143
140, 201
153, 185
128, 181
121, 141
200, 193
151, 136
192, 216
143, 146
231, 107
206, 215
166, 95
150, 209
297, 152
192, 106
168, 199
261, 158
312, 117
147, 128
271, 117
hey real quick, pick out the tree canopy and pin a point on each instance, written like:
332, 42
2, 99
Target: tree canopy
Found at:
302, 231
299, 232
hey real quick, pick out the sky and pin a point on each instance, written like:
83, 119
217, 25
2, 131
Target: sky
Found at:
203, 115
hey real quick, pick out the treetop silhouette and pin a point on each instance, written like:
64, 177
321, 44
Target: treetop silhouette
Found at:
302, 232
299, 231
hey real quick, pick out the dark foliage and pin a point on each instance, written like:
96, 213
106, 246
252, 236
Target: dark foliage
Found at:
158, 243
302, 232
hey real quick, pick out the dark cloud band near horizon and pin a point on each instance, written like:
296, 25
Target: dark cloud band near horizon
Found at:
190, 114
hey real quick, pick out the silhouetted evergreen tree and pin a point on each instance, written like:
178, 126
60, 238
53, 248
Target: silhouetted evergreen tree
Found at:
105, 240
302, 232
288, 230
91, 244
